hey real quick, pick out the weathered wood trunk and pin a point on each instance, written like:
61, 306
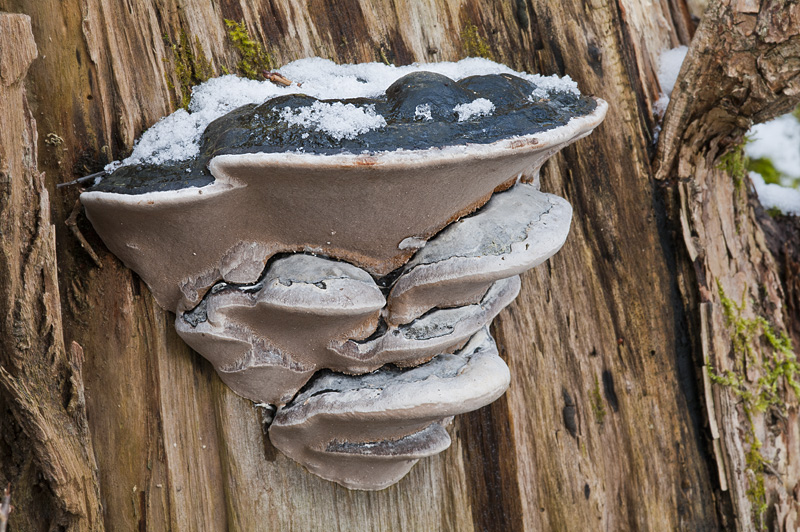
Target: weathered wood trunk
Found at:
613, 420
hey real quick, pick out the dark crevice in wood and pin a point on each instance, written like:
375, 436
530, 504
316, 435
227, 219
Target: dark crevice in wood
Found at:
490, 460
646, 121
345, 26
231, 10
401, 55
688, 350
551, 50
273, 22
682, 21
782, 235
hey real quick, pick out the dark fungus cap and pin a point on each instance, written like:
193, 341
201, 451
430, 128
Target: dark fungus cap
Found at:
421, 111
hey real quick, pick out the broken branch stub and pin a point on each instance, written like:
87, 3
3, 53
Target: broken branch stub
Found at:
278, 268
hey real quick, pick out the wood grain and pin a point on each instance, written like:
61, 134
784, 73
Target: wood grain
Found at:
606, 336
41, 383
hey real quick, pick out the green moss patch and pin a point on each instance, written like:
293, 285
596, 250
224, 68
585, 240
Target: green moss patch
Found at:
758, 346
191, 67
254, 60
474, 44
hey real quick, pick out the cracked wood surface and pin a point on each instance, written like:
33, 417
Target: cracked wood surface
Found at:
742, 68
611, 322
41, 383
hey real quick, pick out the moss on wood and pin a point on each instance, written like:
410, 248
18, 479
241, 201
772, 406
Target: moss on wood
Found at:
757, 345
598, 408
474, 44
190, 67
254, 60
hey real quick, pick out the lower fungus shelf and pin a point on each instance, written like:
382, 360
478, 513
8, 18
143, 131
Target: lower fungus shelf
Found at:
366, 432
308, 313
515, 231
353, 367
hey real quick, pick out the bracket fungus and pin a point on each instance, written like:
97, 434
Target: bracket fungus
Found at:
367, 431
341, 255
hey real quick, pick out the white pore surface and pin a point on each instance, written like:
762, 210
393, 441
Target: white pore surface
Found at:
177, 136
339, 120
775, 196
479, 107
669, 65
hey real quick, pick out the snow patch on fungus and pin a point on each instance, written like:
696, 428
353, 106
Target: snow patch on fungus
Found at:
177, 137
337, 119
479, 107
423, 112
547, 85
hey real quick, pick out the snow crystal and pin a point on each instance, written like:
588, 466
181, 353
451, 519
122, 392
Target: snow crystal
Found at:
787, 200
339, 120
479, 107
546, 85
324, 79
177, 137
779, 141
423, 112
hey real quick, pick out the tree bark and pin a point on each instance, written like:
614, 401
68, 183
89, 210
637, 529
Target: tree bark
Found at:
615, 419
742, 69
